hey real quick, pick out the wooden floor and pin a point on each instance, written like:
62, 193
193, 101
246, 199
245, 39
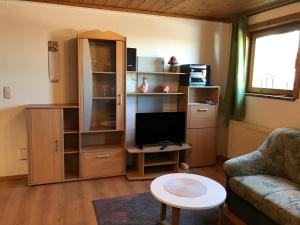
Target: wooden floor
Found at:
70, 203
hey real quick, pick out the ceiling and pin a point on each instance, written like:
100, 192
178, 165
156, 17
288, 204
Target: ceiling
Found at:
219, 10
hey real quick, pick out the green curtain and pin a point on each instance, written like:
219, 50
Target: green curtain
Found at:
234, 102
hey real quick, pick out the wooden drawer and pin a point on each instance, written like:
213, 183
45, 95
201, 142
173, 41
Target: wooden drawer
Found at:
102, 164
202, 116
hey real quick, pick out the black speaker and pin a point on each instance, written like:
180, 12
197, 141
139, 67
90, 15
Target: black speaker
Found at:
131, 59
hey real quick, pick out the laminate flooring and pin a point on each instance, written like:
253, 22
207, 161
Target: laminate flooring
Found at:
70, 203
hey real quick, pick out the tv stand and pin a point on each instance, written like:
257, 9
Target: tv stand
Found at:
165, 144
151, 162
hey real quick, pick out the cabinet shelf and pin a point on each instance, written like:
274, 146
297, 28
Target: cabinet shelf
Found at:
103, 147
159, 162
104, 98
160, 73
155, 93
71, 131
156, 149
71, 150
103, 72
100, 131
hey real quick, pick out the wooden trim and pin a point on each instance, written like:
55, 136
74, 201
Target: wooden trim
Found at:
280, 97
283, 20
269, 7
14, 177
101, 35
111, 8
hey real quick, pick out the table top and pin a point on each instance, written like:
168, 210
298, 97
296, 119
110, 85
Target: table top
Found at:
188, 191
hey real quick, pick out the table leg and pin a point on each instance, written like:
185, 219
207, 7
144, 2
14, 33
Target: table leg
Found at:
163, 208
220, 212
175, 216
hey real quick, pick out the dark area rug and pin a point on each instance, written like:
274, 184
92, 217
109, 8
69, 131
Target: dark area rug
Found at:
144, 209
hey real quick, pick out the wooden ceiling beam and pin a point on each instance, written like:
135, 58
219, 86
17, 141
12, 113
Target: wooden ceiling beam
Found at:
212, 10
93, 6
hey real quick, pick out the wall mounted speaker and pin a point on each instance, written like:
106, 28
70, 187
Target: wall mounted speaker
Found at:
131, 59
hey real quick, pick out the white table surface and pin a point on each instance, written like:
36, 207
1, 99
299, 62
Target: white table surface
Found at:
214, 196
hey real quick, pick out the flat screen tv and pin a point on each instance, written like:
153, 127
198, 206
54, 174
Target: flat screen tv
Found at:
162, 128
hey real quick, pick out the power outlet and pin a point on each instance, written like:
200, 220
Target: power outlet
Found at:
23, 154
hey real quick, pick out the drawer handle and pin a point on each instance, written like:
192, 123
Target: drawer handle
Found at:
58, 145
102, 156
120, 99
202, 110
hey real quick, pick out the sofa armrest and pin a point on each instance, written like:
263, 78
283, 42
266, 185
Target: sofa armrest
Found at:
250, 164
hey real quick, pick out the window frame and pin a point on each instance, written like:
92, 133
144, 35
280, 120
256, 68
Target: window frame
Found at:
272, 92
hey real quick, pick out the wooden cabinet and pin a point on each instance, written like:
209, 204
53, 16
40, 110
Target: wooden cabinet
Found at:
53, 143
101, 70
152, 162
46, 141
203, 143
71, 142
101, 58
201, 104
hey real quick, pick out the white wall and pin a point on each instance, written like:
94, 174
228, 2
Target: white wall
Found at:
26, 27
265, 112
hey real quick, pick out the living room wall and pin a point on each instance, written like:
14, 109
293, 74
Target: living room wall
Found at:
26, 28
267, 113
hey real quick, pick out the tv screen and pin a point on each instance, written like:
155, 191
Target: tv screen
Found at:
155, 128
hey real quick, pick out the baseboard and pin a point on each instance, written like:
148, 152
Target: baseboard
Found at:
14, 177
229, 218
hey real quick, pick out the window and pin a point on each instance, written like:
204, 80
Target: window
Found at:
273, 62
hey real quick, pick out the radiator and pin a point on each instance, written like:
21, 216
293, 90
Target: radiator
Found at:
244, 138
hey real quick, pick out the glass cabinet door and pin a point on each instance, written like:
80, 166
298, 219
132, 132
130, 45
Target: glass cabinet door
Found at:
102, 84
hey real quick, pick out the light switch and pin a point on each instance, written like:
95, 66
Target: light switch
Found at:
6, 92
23, 154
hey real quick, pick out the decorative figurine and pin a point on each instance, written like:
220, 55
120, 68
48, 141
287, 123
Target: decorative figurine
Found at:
144, 86
166, 89
173, 61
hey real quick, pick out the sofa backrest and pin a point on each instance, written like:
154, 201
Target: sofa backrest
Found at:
282, 151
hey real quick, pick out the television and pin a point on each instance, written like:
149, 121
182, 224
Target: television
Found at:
162, 128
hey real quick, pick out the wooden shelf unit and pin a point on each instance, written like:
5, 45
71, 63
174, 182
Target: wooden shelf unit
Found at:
74, 142
152, 162
201, 106
101, 73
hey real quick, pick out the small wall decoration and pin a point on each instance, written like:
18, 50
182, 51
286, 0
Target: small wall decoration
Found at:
53, 61
144, 86
173, 61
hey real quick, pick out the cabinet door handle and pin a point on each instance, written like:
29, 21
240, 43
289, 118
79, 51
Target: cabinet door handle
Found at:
120, 99
57, 145
202, 110
102, 156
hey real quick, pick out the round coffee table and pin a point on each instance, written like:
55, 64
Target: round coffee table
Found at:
186, 191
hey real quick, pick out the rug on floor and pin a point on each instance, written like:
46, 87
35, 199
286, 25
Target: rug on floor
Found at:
144, 209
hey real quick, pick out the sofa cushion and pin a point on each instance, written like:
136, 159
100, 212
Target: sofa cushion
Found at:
281, 153
276, 197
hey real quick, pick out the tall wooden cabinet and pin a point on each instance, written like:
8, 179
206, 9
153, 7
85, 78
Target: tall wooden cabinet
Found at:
101, 69
201, 105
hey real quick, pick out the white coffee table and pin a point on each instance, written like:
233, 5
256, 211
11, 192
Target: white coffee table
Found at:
186, 191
